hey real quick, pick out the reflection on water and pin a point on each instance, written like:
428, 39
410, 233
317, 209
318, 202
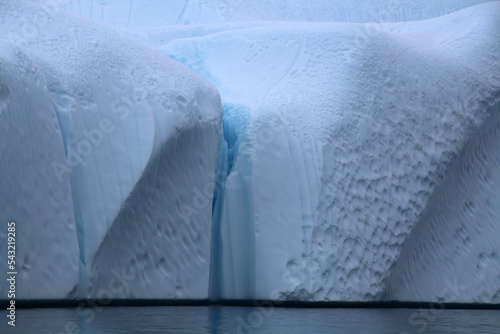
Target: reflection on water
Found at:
245, 320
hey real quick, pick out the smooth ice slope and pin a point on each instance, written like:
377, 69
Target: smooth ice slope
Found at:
46, 247
156, 13
350, 130
139, 134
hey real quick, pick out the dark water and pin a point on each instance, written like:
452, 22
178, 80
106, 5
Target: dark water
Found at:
222, 320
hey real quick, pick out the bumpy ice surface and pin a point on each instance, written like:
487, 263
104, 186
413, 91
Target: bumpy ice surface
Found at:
338, 138
358, 159
105, 144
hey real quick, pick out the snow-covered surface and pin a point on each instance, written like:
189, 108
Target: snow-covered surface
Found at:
154, 13
453, 252
347, 130
358, 160
129, 122
30, 193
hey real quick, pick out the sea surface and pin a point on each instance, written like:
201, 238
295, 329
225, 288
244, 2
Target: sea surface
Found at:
226, 319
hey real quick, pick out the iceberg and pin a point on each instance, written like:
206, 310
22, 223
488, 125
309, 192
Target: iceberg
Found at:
31, 195
451, 254
120, 121
252, 150
349, 130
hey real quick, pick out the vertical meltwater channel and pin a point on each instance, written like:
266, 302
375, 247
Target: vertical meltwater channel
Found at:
64, 121
232, 244
221, 172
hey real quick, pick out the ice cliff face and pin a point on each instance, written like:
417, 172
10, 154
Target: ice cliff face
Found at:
352, 162
351, 129
47, 247
452, 243
114, 130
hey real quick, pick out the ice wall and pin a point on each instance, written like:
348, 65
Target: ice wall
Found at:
126, 119
452, 252
46, 247
357, 161
351, 128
